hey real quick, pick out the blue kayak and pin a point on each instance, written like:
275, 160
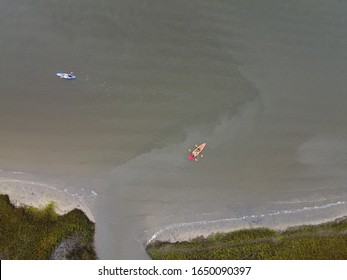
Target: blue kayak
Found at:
66, 76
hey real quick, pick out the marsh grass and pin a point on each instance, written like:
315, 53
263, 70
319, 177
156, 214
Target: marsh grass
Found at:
326, 241
31, 233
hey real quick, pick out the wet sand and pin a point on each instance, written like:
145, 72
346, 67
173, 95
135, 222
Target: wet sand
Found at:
24, 189
263, 84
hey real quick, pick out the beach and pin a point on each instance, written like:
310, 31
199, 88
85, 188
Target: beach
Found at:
263, 84
30, 192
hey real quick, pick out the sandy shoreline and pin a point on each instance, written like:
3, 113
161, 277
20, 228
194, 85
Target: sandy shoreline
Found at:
23, 192
166, 235
29, 193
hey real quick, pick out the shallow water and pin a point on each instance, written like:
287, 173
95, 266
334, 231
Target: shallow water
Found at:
262, 83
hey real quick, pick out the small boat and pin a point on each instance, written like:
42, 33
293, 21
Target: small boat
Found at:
66, 76
196, 152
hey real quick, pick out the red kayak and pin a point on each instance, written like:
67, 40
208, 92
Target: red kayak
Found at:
196, 152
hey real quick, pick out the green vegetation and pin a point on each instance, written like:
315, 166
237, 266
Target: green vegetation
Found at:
31, 233
326, 241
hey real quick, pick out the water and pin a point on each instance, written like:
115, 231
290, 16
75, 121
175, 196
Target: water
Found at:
262, 83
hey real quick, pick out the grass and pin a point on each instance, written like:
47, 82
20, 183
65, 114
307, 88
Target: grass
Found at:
28, 233
321, 242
